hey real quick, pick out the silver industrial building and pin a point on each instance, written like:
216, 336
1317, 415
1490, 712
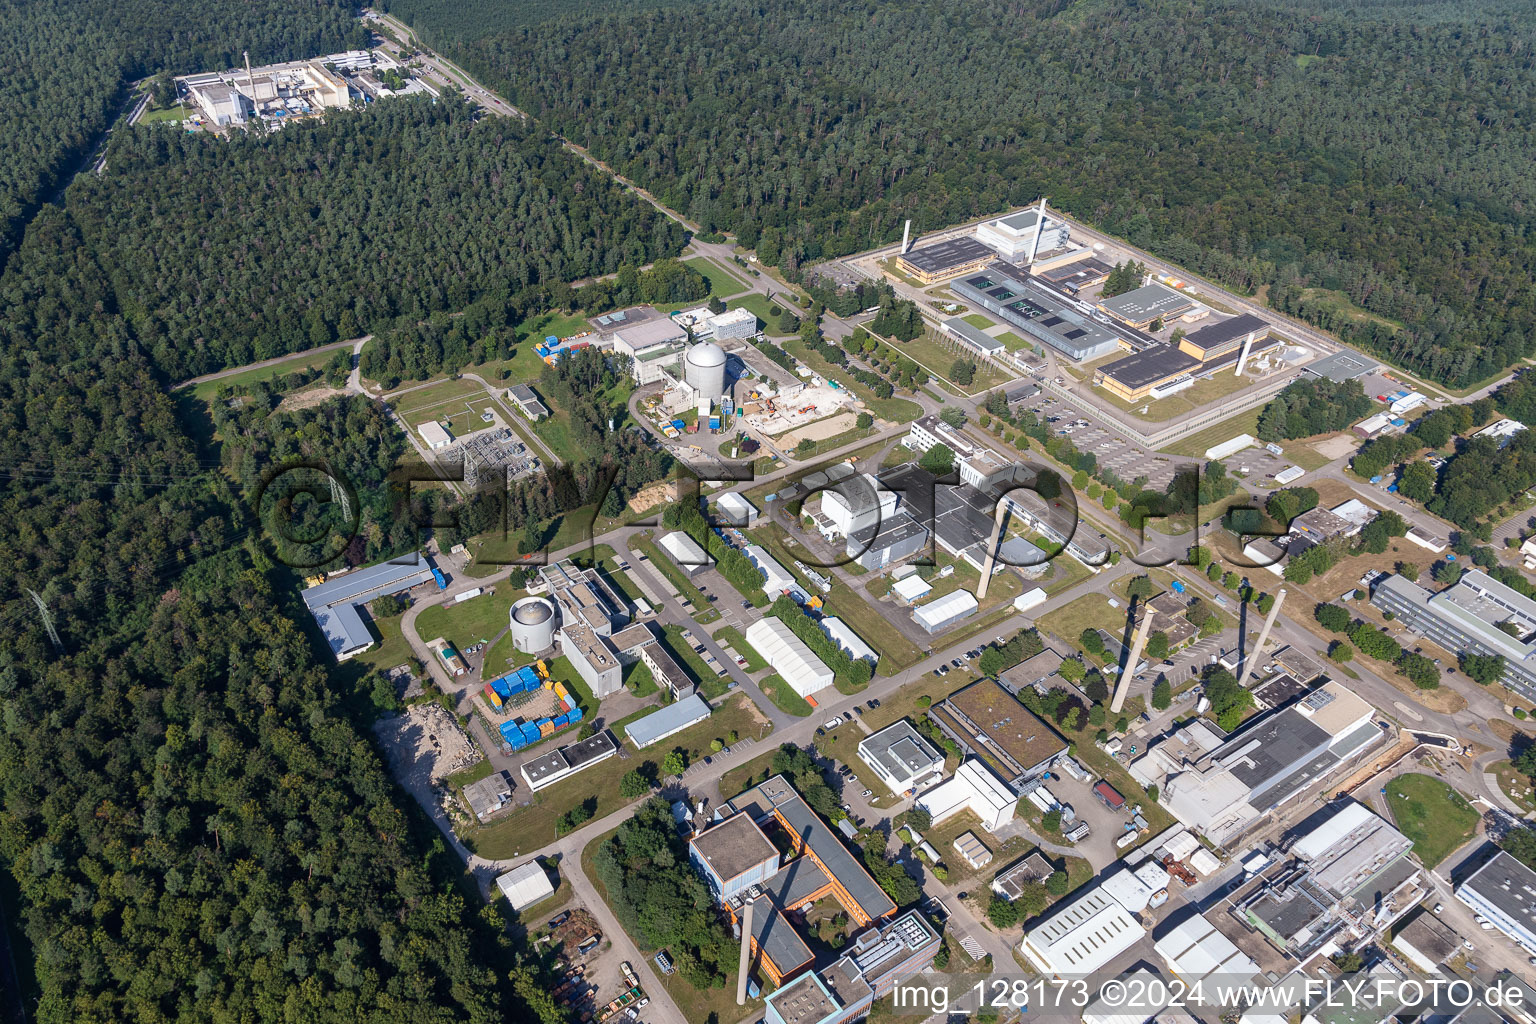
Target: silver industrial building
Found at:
335, 604
1039, 313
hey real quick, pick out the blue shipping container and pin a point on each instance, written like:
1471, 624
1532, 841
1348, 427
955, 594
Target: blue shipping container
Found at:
437, 574
551, 340
530, 731
510, 731
500, 686
575, 714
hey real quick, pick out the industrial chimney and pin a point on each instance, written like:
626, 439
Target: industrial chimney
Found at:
1034, 247
746, 947
1258, 648
1124, 685
906, 237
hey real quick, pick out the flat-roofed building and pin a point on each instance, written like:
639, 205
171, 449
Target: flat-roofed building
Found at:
1503, 891
1225, 337
975, 788
1465, 618
640, 643
892, 539
336, 603
875, 963
435, 434
527, 402
1141, 307
667, 721
943, 260
974, 338
1135, 377
652, 347
902, 758
558, 765
1195, 951
1082, 937
857, 503
972, 850
489, 795
1020, 237
1040, 313
734, 324
1084, 271
1010, 882
733, 855
986, 721
592, 656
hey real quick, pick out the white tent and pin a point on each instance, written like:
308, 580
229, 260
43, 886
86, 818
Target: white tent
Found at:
526, 885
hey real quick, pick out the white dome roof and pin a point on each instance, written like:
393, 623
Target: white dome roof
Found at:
706, 354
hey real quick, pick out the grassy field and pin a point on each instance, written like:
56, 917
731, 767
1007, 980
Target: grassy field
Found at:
732, 637
936, 356
1432, 814
785, 699
896, 651
710, 684
1088, 611
977, 320
168, 114
722, 282
759, 304
303, 361
392, 648
1013, 342
532, 826
449, 402
477, 620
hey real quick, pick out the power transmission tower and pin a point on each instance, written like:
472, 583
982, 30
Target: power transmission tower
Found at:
42, 610
339, 495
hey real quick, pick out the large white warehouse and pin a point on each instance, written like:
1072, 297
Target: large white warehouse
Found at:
788, 655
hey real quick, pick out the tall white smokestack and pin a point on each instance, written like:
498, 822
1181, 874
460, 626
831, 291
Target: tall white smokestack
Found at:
1258, 648
906, 238
746, 947
1034, 246
1243, 357
1124, 685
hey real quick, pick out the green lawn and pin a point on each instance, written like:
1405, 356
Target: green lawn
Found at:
896, 651
710, 684
1197, 443
303, 361
392, 649
1013, 342
1090, 610
977, 320
731, 636
722, 282
169, 114
475, 621
937, 357
449, 402
1432, 814
785, 699
759, 304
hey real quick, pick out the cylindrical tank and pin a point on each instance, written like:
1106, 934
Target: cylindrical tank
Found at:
532, 622
704, 369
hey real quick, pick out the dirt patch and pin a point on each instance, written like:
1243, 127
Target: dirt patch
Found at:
819, 431
426, 739
1405, 743
656, 494
309, 398
1335, 447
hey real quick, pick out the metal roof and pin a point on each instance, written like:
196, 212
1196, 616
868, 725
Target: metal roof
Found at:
670, 719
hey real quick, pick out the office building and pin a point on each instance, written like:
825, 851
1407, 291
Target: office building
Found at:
986, 721
734, 324
946, 259
1141, 307
733, 856
1023, 236
1010, 882
1503, 891
558, 765
1466, 618
1040, 313
902, 758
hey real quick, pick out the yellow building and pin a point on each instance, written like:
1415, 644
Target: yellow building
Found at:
946, 259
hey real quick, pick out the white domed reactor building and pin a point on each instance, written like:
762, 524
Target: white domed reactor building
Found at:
704, 370
532, 622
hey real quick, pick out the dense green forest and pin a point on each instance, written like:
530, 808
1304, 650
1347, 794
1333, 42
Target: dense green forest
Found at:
195, 818
227, 250
68, 64
1358, 153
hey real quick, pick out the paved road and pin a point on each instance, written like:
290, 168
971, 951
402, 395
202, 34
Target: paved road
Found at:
355, 343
